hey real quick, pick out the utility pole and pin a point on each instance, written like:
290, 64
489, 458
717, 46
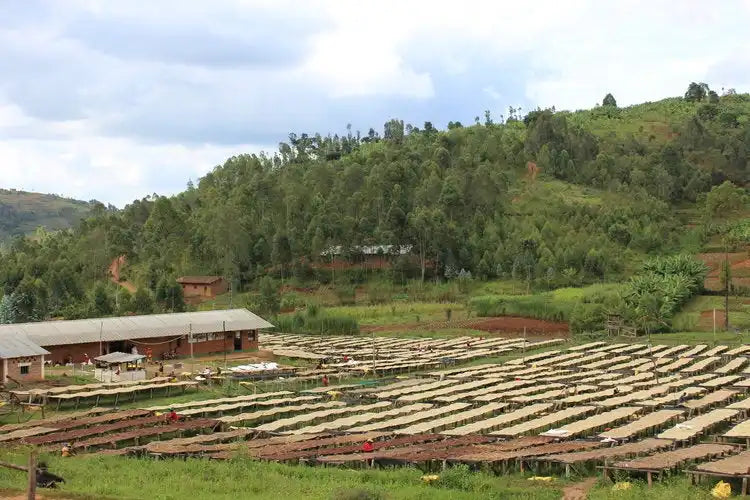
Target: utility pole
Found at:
727, 280
101, 331
714, 326
373, 352
224, 335
190, 341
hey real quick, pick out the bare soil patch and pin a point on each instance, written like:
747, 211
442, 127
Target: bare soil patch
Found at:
579, 491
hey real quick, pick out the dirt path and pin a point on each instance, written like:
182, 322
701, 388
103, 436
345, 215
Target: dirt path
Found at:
579, 491
114, 274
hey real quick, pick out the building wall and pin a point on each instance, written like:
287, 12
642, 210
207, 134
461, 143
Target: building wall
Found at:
159, 345
14, 367
204, 290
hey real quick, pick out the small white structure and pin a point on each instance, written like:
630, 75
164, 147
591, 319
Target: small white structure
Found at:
119, 366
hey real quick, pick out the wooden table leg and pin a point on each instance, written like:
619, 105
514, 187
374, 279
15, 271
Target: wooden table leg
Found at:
649, 479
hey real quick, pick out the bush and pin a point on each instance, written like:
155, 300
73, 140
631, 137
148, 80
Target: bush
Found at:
541, 306
379, 293
346, 295
662, 288
317, 322
291, 301
459, 477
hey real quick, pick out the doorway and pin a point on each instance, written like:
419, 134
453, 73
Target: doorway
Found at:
237, 341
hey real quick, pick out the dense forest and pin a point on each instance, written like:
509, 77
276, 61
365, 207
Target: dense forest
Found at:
559, 198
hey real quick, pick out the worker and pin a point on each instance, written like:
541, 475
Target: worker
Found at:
346, 358
65, 452
45, 479
161, 368
325, 380
367, 446
682, 398
172, 415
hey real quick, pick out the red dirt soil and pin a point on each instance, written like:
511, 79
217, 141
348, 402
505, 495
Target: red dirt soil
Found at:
114, 274
579, 491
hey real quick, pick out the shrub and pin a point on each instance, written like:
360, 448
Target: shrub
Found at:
457, 478
379, 293
291, 301
317, 322
346, 295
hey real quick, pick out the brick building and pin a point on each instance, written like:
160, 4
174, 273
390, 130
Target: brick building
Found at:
202, 286
21, 360
207, 331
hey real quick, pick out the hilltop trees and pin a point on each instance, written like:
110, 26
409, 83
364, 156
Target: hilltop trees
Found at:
696, 92
609, 100
598, 197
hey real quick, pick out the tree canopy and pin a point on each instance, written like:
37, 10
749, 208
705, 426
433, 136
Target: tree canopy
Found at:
566, 198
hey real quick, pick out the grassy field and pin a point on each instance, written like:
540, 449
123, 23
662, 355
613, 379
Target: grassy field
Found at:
125, 478
398, 313
690, 316
130, 478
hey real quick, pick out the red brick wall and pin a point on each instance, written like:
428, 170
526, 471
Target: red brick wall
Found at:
60, 353
36, 371
158, 346
204, 290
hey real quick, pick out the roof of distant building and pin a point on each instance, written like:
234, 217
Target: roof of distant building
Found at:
369, 249
199, 280
19, 346
51, 333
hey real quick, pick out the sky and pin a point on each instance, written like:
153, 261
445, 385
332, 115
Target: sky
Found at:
118, 100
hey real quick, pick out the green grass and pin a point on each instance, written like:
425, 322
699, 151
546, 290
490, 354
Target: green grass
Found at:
126, 478
399, 312
689, 317
673, 488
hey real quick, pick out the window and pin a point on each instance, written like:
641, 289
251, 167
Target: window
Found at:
252, 335
25, 368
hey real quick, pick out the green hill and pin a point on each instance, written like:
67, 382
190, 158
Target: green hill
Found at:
551, 199
22, 212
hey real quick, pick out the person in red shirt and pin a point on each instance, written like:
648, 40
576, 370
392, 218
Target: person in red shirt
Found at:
325, 381
172, 416
367, 446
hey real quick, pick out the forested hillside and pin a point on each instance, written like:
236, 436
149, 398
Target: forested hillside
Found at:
552, 198
21, 213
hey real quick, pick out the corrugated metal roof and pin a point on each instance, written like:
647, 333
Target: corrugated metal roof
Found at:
50, 333
19, 346
203, 280
119, 357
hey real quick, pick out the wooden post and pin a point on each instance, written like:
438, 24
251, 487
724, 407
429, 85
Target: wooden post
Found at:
649, 479
744, 486
31, 490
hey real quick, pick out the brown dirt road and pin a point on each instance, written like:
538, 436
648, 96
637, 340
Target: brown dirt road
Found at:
579, 491
114, 274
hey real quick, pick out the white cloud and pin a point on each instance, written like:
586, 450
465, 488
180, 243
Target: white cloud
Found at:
87, 109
